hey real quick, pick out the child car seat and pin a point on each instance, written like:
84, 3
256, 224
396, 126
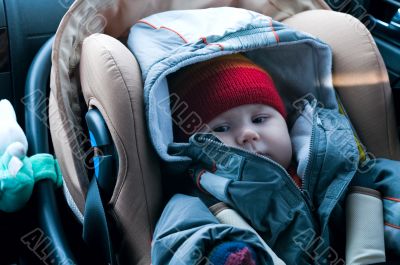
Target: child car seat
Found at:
98, 73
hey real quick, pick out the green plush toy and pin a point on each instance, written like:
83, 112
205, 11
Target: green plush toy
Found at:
18, 173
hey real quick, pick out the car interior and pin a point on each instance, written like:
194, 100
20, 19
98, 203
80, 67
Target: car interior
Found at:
47, 73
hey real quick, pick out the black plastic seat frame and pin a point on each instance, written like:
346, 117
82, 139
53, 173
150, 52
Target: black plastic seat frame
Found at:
36, 127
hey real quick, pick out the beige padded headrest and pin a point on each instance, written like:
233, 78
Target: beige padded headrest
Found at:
359, 77
111, 82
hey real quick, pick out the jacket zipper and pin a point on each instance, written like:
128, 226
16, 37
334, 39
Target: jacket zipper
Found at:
303, 194
308, 168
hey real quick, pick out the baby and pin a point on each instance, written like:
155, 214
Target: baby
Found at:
239, 103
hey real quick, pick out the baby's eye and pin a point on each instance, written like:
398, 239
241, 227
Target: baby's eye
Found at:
222, 128
260, 119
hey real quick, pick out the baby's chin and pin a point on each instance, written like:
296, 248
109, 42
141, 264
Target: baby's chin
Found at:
284, 162
264, 154
267, 156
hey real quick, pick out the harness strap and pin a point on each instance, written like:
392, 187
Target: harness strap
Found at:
95, 227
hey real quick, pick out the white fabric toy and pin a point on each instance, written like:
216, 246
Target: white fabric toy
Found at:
16, 175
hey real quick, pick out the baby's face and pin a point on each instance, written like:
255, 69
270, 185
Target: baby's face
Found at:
257, 128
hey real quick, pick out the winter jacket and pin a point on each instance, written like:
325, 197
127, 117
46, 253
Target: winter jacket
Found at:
294, 222
302, 225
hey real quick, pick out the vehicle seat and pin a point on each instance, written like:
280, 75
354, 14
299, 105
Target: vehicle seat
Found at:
101, 73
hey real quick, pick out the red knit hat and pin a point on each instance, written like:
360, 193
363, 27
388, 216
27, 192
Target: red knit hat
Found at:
212, 87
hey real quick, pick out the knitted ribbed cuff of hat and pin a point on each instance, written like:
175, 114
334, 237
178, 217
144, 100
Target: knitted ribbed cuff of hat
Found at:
232, 253
204, 90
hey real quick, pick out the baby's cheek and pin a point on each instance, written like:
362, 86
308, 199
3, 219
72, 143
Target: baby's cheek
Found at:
227, 140
287, 153
283, 149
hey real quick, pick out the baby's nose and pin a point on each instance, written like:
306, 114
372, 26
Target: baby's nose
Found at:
248, 136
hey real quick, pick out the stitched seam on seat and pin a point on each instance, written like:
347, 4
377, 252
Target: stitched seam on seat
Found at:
281, 10
323, 5
120, 74
136, 141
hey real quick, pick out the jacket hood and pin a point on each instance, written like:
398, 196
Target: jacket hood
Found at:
299, 63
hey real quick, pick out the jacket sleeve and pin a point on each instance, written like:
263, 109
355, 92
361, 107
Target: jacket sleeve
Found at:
187, 231
384, 175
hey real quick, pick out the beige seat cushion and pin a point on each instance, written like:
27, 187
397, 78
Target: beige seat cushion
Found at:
359, 76
119, 18
111, 82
